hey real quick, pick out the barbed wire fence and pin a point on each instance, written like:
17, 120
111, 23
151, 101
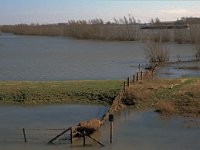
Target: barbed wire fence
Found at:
44, 135
32, 135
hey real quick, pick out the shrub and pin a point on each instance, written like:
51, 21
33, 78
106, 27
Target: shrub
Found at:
156, 52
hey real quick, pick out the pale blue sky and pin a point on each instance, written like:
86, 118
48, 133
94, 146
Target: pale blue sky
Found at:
54, 11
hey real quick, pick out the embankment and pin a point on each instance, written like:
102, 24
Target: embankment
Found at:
166, 96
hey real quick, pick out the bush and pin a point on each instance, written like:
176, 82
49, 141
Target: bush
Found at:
156, 52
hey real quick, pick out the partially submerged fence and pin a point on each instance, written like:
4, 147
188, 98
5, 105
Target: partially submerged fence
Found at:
83, 129
39, 135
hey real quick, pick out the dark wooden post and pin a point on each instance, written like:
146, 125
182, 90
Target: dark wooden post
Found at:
124, 86
141, 75
137, 76
111, 119
128, 81
24, 134
71, 135
152, 71
139, 67
84, 140
133, 79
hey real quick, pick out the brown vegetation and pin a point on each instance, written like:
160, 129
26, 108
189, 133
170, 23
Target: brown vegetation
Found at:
167, 96
166, 107
156, 52
34, 29
123, 29
88, 127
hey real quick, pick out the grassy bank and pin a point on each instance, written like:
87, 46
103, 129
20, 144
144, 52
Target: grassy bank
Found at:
167, 96
29, 93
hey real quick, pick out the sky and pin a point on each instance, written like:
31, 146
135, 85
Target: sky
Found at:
60, 11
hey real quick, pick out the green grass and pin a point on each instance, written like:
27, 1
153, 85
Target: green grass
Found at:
29, 93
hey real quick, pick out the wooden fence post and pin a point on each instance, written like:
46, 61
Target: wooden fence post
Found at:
137, 77
124, 86
71, 135
111, 119
141, 75
128, 81
133, 79
24, 134
84, 140
139, 67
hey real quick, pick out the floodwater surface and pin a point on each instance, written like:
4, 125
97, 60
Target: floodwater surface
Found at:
132, 130
60, 58
175, 70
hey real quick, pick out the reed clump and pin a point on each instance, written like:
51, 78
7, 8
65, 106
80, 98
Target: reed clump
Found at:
156, 52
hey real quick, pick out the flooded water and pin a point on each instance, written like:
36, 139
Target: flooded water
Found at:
132, 130
176, 71
42, 119
59, 58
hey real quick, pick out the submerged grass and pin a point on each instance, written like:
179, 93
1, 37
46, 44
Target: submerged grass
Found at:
29, 93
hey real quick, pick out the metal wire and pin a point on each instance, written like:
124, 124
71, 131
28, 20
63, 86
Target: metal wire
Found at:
32, 135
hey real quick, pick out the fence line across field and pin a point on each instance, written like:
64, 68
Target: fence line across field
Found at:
64, 135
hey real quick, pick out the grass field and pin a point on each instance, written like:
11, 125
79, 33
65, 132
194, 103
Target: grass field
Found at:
167, 96
31, 93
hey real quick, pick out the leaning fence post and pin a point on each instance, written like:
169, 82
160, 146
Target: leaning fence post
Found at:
24, 134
